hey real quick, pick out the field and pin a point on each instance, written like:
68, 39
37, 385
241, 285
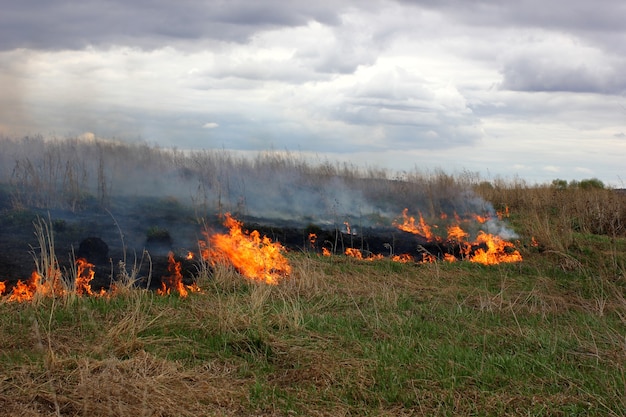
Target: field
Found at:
336, 336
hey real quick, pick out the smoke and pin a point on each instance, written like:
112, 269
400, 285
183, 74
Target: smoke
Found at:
273, 188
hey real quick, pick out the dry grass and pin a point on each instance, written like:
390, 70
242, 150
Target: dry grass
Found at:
142, 385
339, 337
320, 343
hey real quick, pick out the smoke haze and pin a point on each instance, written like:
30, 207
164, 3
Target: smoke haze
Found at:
273, 188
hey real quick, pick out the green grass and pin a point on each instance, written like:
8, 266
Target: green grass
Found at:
340, 337
544, 337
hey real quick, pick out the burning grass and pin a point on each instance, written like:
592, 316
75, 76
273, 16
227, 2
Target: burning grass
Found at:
339, 337
396, 332
255, 257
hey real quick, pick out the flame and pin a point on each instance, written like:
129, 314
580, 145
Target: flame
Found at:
486, 249
174, 281
3, 287
354, 253
428, 258
357, 254
479, 218
498, 250
189, 256
404, 258
456, 234
312, 239
325, 252
84, 275
255, 257
448, 257
421, 228
25, 291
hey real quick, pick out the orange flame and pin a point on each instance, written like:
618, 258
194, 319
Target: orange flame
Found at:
174, 281
448, 257
255, 257
486, 249
354, 253
84, 275
456, 234
503, 214
480, 219
25, 291
357, 254
428, 258
498, 250
421, 228
404, 258
325, 252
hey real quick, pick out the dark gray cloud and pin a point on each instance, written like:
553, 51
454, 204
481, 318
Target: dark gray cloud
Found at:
66, 24
528, 75
561, 62
604, 16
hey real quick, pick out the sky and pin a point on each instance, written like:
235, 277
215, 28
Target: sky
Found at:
509, 89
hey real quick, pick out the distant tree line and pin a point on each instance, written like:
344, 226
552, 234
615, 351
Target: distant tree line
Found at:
587, 184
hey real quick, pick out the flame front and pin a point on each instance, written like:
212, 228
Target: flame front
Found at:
173, 281
486, 249
37, 286
403, 259
312, 240
84, 275
498, 250
356, 253
421, 228
255, 257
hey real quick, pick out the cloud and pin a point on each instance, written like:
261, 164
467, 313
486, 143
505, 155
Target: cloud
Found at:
146, 24
554, 62
551, 168
489, 85
411, 110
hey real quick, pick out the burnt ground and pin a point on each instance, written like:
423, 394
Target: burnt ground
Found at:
105, 237
133, 228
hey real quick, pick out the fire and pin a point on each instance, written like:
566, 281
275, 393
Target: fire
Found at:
325, 252
24, 291
84, 275
456, 234
421, 228
3, 287
312, 239
174, 281
486, 249
357, 254
255, 257
189, 256
448, 257
354, 253
498, 250
480, 219
404, 258
428, 258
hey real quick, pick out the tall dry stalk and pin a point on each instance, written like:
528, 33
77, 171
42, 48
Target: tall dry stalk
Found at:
47, 266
